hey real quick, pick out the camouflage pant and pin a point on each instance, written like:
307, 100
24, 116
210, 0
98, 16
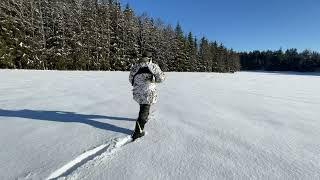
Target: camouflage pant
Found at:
143, 117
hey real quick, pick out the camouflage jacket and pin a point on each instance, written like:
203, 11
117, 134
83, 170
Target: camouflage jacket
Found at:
144, 86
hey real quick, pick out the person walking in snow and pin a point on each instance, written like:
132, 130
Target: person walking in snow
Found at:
143, 77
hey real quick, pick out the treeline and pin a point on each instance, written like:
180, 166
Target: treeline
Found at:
290, 60
99, 35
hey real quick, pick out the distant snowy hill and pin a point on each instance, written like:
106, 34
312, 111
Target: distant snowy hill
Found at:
75, 125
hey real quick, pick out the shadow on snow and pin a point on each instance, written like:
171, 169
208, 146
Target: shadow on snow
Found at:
286, 72
62, 116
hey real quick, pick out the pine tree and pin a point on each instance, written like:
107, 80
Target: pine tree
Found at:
192, 53
214, 57
205, 55
131, 33
169, 47
117, 38
180, 50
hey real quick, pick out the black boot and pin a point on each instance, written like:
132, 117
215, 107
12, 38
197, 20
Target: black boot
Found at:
138, 131
137, 135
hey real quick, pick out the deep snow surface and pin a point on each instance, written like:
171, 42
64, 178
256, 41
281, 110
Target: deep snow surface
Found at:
75, 125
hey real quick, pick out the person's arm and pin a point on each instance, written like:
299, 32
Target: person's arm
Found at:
132, 70
158, 74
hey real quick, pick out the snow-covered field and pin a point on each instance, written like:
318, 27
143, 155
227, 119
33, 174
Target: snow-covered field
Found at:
74, 125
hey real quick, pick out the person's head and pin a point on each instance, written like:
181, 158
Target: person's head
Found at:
146, 56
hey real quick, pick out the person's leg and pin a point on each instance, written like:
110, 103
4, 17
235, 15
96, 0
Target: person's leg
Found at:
143, 115
142, 120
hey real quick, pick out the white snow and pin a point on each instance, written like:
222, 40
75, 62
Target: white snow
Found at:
86, 156
76, 125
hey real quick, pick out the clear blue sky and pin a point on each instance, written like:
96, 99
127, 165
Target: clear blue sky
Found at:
242, 24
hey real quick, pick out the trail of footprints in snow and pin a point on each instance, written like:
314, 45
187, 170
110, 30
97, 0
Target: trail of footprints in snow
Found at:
106, 149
